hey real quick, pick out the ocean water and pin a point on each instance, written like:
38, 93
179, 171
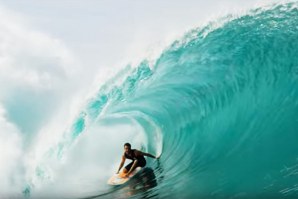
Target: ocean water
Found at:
220, 105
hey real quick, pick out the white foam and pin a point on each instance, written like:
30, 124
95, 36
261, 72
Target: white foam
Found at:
11, 158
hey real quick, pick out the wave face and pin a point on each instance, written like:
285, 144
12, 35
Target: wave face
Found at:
221, 104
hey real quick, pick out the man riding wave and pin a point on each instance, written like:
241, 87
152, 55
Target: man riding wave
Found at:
137, 157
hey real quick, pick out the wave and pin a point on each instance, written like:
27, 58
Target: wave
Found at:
220, 104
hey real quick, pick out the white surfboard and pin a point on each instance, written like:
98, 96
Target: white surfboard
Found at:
118, 179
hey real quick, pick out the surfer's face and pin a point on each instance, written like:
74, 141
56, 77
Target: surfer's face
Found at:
126, 149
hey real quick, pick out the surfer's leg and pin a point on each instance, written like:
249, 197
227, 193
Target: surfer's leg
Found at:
142, 162
127, 168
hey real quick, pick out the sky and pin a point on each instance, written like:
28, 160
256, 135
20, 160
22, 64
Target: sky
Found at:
54, 53
100, 31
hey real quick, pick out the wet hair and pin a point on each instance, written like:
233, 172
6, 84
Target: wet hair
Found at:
128, 145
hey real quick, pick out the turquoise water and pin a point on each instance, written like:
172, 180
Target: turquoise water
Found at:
221, 104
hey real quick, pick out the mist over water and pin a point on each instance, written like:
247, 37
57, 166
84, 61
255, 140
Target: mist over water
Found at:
219, 104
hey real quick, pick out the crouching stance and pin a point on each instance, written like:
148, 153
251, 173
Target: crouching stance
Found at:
137, 158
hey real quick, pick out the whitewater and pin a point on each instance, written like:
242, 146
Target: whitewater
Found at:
220, 105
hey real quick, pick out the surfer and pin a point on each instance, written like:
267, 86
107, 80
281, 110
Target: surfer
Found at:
137, 158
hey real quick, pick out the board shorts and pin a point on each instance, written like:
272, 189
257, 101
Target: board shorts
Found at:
141, 163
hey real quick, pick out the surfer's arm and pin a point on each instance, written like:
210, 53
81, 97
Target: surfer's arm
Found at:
146, 154
149, 155
122, 163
